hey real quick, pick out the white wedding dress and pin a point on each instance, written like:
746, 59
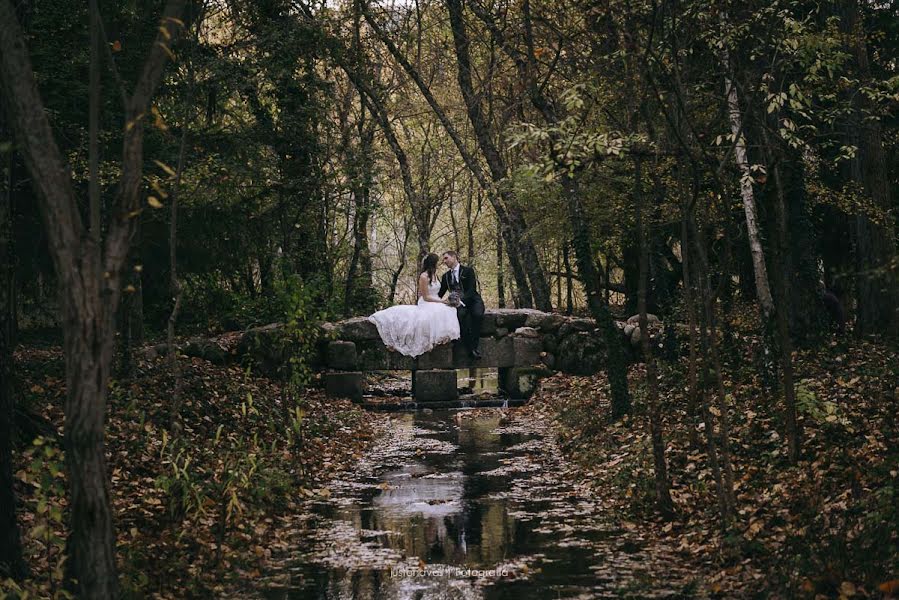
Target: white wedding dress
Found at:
413, 329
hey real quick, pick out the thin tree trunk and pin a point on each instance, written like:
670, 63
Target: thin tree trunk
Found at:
175, 286
709, 330
762, 287
662, 485
558, 276
539, 286
877, 267
782, 266
690, 302
510, 226
12, 563
569, 288
724, 507
616, 367
500, 287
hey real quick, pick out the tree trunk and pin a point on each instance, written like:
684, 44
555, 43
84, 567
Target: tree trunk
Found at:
12, 563
616, 367
709, 331
500, 287
690, 303
91, 542
527, 253
175, 286
663, 493
89, 287
569, 288
735, 118
782, 266
509, 234
877, 267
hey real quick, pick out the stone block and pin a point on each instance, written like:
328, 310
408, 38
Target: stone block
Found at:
399, 362
488, 325
576, 324
527, 351
550, 343
512, 317
342, 355
372, 356
344, 384
545, 322
264, 349
528, 332
356, 329
494, 353
440, 357
651, 319
205, 349
519, 382
581, 354
435, 385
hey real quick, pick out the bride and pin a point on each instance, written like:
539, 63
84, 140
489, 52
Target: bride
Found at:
413, 329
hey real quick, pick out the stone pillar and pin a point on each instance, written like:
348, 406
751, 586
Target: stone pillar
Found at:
344, 384
342, 355
519, 382
434, 385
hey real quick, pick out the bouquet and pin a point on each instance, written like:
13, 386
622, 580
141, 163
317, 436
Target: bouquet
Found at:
455, 298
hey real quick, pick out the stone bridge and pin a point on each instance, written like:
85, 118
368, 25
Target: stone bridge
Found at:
523, 344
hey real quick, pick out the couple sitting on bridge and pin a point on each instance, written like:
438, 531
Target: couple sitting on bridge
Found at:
414, 329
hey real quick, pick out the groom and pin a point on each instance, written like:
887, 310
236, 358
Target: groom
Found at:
463, 280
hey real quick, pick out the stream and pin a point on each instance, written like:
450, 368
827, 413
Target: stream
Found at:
471, 504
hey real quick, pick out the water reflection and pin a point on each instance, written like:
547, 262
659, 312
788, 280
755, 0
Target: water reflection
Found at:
452, 494
478, 380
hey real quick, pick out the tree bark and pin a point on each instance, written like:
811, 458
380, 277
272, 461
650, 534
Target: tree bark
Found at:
662, 485
89, 285
616, 367
877, 263
782, 266
12, 564
760, 271
539, 286
500, 200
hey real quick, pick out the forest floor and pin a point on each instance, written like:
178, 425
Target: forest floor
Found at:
199, 514
827, 527
206, 513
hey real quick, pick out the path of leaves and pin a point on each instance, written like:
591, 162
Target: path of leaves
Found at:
825, 528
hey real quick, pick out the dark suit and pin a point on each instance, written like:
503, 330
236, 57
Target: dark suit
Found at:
471, 316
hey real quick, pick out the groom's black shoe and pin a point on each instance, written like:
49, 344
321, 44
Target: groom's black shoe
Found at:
475, 354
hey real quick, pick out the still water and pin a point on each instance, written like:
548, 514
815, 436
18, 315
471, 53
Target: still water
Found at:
463, 505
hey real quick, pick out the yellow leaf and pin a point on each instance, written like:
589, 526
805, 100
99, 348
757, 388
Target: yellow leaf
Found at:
129, 289
158, 189
130, 124
117, 46
154, 202
158, 122
167, 51
36, 389
169, 171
